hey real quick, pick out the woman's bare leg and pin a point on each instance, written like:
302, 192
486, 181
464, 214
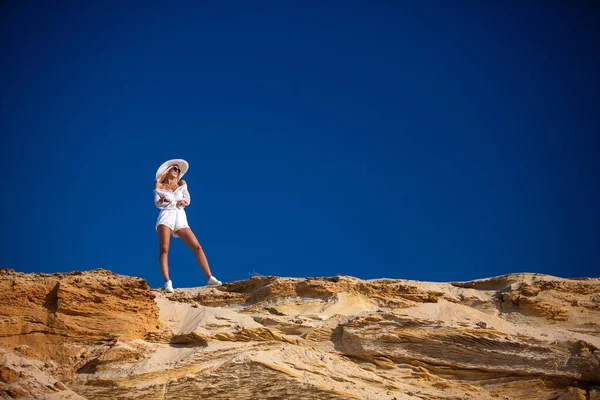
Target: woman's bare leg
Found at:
190, 240
164, 238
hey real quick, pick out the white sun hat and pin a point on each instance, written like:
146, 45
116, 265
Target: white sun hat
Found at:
164, 168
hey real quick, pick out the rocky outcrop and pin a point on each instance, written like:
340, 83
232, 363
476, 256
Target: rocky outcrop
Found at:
62, 318
98, 335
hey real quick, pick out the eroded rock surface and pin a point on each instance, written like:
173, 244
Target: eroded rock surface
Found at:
98, 335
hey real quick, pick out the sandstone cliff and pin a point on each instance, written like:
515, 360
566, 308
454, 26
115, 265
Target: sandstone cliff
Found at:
98, 335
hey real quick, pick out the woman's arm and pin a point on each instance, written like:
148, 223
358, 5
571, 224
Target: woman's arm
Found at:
186, 194
159, 201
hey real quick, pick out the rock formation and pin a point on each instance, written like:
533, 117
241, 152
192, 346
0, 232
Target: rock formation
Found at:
98, 335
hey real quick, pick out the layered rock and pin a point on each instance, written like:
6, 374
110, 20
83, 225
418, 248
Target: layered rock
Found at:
63, 319
101, 336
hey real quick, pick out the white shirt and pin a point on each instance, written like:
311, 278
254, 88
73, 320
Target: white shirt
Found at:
181, 193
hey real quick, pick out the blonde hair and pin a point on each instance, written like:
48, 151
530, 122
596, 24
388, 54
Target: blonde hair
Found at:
164, 177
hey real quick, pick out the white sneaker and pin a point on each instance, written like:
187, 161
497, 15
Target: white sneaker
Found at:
212, 281
169, 286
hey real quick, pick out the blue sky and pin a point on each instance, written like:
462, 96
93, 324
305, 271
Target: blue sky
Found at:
418, 140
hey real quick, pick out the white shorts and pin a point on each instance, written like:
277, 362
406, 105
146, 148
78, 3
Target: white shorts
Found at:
174, 219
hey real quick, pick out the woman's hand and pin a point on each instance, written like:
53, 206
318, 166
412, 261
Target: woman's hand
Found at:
181, 203
165, 200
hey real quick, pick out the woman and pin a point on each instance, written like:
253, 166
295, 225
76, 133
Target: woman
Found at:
171, 196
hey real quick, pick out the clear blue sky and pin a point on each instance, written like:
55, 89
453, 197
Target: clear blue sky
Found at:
417, 140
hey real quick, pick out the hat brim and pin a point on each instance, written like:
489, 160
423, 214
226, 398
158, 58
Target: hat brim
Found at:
164, 168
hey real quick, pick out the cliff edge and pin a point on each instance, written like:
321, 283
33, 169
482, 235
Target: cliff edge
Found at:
99, 335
